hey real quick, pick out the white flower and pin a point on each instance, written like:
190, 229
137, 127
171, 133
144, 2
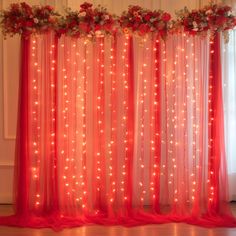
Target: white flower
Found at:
195, 24
82, 13
106, 17
36, 20
209, 12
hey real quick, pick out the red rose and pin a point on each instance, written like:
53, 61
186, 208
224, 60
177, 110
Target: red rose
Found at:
147, 17
50, 8
221, 11
28, 23
166, 17
155, 14
97, 27
129, 24
137, 19
144, 28
14, 6
72, 24
212, 19
86, 5
227, 8
220, 20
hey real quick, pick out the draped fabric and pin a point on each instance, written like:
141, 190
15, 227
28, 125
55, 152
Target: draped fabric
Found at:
229, 92
121, 130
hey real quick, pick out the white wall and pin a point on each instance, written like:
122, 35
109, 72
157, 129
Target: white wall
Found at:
9, 70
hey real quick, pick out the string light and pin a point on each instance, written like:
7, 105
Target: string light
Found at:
179, 118
124, 121
112, 149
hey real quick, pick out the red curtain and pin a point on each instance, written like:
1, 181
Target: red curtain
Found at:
123, 130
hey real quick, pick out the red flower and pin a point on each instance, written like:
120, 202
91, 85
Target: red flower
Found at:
166, 16
133, 9
223, 10
28, 23
147, 17
220, 11
49, 8
97, 27
137, 19
86, 5
156, 14
72, 24
14, 6
220, 20
144, 28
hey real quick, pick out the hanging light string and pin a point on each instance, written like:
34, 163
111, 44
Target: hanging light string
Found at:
35, 119
155, 126
113, 141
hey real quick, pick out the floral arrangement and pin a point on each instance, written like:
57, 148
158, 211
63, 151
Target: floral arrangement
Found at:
143, 21
21, 18
87, 22
24, 19
212, 18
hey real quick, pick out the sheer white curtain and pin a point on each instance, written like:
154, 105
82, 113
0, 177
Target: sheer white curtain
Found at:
229, 80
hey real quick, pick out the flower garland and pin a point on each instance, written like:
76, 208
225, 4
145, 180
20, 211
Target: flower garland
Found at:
143, 21
87, 22
23, 19
90, 22
211, 18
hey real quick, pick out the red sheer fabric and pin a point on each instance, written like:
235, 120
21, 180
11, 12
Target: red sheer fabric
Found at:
124, 130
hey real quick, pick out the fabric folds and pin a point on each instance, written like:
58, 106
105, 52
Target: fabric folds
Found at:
121, 130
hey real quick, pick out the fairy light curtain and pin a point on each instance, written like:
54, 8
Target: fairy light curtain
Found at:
121, 130
109, 127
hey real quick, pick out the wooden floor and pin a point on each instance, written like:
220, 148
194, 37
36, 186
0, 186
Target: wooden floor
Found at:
172, 229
